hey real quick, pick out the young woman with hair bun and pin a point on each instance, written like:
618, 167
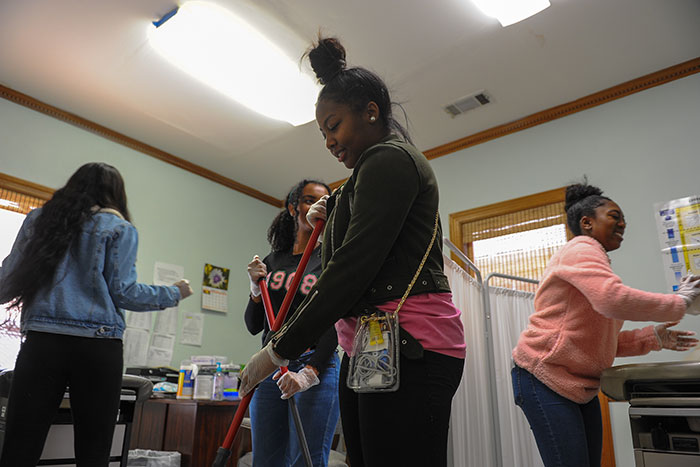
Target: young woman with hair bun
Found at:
314, 374
575, 332
72, 271
382, 228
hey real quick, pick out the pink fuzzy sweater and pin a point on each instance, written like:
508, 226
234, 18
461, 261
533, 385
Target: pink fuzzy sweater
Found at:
580, 307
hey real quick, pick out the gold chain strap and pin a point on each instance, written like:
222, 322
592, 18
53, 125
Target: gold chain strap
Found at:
420, 267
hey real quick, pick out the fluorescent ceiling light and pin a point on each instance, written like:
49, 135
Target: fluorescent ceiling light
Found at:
222, 50
508, 12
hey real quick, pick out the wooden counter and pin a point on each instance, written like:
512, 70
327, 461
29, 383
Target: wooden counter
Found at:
195, 428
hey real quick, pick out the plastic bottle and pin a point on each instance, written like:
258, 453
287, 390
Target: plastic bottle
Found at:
231, 382
185, 384
203, 383
218, 389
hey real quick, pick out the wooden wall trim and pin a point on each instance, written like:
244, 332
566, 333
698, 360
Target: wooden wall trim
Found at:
67, 117
26, 188
602, 97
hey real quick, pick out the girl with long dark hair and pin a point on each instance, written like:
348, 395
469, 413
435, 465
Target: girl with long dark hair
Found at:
314, 374
71, 271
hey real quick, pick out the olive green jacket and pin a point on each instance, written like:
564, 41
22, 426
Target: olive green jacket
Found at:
379, 226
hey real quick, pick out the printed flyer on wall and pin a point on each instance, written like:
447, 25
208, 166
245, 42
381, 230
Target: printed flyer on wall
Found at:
215, 288
678, 224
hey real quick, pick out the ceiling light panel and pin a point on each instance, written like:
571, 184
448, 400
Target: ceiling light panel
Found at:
222, 50
509, 12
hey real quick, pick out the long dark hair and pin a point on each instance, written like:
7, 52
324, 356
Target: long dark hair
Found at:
353, 86
581, 200
283, 230
59, 222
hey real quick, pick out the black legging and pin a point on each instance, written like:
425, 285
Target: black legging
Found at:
408, 427
46, 364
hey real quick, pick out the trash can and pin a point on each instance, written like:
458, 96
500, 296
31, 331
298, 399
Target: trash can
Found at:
148, 458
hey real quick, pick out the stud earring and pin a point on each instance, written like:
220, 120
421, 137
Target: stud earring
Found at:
372, 118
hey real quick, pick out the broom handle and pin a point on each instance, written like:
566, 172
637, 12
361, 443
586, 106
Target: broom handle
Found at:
224, 451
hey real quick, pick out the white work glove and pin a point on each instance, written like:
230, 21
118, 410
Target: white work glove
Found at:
689, 289
674, 340
183, 286
256, 271
317, 211
260, 366
290, 383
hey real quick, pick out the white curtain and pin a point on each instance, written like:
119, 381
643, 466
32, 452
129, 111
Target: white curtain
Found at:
471, 429
510, 311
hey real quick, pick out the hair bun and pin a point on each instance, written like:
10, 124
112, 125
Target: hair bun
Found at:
579, 191
327, 58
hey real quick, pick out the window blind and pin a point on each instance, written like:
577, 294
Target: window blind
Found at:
516, 242
18, 202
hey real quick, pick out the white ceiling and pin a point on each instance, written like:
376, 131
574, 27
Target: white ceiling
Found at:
92, 58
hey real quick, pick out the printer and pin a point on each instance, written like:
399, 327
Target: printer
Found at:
155, 375
664, 410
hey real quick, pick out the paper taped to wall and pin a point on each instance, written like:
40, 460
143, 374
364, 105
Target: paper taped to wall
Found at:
678, 224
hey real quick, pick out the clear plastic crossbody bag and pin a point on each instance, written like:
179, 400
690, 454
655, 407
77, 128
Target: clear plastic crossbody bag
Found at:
374, 364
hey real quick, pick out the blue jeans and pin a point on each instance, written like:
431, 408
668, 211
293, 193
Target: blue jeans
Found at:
274, 435
567, 434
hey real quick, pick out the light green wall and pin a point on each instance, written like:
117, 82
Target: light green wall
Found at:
182, 218
640, 150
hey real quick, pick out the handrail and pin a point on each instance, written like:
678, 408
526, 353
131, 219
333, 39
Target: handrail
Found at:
460, 254
508, 276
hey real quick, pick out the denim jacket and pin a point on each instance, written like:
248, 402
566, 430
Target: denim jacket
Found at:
93, 282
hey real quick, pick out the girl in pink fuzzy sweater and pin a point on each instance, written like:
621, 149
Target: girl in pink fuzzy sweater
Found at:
574, 334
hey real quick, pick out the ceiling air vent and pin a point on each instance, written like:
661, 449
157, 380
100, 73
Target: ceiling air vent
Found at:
467, 103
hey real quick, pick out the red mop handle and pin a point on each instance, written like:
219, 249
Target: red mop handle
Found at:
235, 425
297, 275
243, 406
267, 305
